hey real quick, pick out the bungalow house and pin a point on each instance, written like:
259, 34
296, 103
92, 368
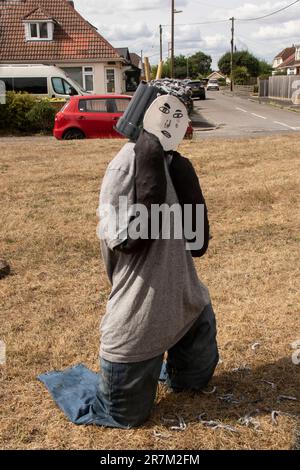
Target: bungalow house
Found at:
288, 61
218, 76
52, 32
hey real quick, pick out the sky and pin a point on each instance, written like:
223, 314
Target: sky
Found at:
135, 24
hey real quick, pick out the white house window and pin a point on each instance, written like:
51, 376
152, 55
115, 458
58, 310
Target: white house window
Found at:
291, 71
44, 30
33, 30
110, 81
277, 62
88, 78
39, 30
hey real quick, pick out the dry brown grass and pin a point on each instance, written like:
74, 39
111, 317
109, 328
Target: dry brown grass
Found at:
52, 302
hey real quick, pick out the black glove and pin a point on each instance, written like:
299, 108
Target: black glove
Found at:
188, 191
150, 184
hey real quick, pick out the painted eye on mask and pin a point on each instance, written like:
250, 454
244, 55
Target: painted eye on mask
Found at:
178, 114
166, 134
165, 108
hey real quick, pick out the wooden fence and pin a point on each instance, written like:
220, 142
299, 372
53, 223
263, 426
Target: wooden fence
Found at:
281, 87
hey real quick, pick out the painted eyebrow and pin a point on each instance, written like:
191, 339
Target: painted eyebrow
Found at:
167, 105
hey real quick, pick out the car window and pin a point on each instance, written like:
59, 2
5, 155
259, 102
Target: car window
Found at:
62, 87
65, 106
8, 83
102, 105
121, 104
69, 89
92, 106
58, 86
34, 85
111, 105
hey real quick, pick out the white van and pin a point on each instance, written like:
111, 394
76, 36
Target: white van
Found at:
41, 80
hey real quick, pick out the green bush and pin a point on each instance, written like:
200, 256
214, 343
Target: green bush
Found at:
281, 72
240, 75
255, 89
17, 107
24, 113
41, 116
222, 81
5, 114
264, 77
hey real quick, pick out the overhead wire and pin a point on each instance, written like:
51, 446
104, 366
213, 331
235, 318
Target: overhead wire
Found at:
269, 14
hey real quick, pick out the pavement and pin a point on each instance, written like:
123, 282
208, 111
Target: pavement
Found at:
226, 116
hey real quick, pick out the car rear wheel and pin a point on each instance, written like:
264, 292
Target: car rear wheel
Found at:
73, 134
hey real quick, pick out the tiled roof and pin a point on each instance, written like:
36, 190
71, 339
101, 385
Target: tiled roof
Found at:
124, 52
290, 61
37, 14
287, 52
135, 60
74, 38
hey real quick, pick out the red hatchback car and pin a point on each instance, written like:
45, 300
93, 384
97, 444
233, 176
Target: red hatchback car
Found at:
91, 117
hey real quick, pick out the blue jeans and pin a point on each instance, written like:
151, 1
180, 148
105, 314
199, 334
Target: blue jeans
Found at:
123, 395
126, 392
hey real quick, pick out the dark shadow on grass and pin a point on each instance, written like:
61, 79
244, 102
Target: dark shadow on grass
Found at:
252, 389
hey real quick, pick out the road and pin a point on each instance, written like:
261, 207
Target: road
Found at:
232, 116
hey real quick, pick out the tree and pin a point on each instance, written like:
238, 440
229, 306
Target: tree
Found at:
240, 59
240, 75
180, 66
199, 64
265, 69
195, 65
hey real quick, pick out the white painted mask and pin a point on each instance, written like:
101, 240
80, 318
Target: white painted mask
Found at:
168, 120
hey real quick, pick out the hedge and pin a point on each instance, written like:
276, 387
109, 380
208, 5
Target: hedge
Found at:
26, 114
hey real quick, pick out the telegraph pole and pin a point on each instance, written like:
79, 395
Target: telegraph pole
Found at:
142, 66
160, 42
172, 38
232, 49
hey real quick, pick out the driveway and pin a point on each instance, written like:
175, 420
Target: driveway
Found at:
231, 116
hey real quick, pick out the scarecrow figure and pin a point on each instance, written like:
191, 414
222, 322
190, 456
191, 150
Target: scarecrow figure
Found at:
159, 323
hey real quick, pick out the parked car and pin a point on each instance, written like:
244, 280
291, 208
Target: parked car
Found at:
213, 85
198, 90
90, 116
40, 80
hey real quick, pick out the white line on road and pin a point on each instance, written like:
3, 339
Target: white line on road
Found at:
241, 109
285, 125
282, 124
257, 115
